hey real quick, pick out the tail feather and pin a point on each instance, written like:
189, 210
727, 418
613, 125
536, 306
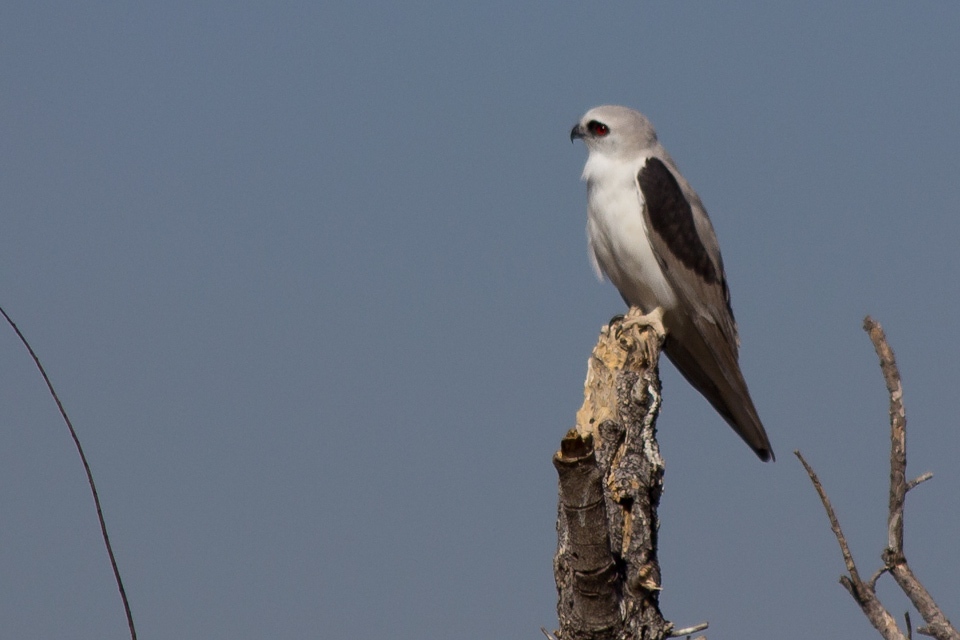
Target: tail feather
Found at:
723, 387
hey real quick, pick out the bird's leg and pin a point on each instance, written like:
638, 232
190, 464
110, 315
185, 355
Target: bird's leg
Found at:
647, 350
635, 317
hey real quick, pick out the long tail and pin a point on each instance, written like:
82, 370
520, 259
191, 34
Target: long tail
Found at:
715, 373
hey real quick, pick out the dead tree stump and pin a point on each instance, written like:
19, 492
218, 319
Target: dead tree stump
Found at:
611, 479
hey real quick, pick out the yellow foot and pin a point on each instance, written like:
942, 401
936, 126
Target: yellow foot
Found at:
647, 351
654, 320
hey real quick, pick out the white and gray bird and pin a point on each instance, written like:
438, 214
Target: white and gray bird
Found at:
650, 235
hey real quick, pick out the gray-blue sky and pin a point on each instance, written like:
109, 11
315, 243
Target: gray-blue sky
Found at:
312, 282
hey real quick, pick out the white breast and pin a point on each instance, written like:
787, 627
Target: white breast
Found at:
618, 237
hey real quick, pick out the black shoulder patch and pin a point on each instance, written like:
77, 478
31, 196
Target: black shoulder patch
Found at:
672, 218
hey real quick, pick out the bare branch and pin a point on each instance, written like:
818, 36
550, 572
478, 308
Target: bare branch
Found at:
863, 594
689, 630
938, 625
934, 631
921, 478
893, 557
898, 435
86, 468
894, 561
872, 582
834, 523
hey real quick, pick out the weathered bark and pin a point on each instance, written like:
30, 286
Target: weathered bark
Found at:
611, 479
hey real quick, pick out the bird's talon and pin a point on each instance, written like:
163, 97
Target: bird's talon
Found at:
654, 320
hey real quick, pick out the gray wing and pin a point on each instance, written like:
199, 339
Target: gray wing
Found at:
686, 245
704, 347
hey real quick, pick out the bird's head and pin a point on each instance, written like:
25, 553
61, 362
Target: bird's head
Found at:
615, 131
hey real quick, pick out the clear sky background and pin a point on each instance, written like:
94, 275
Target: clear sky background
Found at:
312, 281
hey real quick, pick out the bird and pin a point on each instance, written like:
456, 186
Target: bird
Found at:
649, 234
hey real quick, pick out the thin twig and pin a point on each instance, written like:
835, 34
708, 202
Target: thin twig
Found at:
86, 468
872, 582
834, 523
689, 630
863, 594
921, 478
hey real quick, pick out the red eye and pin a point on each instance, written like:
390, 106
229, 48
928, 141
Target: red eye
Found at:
598, 128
